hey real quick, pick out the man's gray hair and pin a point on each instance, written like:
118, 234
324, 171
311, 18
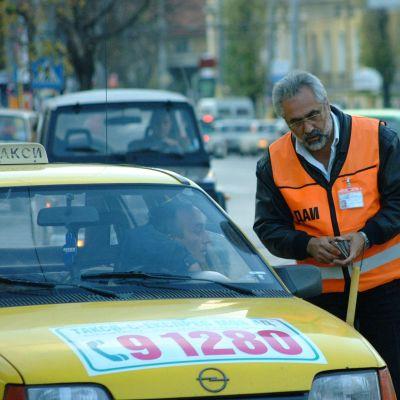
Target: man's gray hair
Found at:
290, 84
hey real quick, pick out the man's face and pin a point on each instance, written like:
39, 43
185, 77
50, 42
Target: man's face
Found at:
166, 124
308, 119
193, 234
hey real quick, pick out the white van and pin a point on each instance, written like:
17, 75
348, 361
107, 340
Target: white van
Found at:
212, 108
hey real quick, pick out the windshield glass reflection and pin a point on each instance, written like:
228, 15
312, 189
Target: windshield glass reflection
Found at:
58, 234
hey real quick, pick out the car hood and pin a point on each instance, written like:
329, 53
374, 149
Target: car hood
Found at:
156, 349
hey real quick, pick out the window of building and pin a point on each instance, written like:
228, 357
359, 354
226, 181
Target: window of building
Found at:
327, 52
341, 53
182, 45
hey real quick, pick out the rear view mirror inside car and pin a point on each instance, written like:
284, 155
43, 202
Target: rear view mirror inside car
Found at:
65, 216
123, 120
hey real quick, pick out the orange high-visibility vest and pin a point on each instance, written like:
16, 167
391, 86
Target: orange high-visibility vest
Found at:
316, 210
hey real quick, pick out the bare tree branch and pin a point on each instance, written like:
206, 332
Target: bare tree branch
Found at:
107, 9
130, 21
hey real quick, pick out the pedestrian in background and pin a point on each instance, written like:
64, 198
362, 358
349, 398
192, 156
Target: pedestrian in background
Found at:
334, 175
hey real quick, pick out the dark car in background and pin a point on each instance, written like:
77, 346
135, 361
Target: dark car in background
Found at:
128, 126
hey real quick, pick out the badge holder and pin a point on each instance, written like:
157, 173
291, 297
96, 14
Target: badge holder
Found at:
350, 197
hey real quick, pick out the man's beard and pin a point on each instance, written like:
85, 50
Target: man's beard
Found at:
315, 140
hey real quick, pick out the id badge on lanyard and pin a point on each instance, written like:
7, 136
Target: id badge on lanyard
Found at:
350, 197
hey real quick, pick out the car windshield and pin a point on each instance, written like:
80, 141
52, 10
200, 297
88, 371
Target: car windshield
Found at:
60, 233
13, 128
123, 128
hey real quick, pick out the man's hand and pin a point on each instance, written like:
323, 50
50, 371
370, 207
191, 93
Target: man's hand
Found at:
357, 244
322, 250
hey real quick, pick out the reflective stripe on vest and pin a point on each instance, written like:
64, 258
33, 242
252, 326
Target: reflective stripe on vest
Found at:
312, 206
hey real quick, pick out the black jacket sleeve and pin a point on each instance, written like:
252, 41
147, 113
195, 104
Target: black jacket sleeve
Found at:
386, 223
273, 219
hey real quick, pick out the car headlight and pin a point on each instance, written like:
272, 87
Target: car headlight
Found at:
56, 392
357, 385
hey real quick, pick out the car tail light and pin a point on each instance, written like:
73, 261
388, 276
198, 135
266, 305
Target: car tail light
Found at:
263, 143
386, 385
208, 118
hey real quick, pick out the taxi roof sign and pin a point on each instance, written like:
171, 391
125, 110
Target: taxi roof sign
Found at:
22, 153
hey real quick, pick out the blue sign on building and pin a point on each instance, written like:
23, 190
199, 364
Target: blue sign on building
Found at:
47, 75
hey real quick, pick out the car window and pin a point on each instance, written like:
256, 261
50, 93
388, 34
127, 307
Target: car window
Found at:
243, 112
57, 232
13, 128
224, 112
122, 128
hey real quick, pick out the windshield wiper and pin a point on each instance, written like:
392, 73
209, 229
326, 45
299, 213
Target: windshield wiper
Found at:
23, 282
101, 292
86, 149
155, 276
51, 284
135, 154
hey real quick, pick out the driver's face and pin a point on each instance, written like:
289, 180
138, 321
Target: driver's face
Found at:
194, 235
165, 125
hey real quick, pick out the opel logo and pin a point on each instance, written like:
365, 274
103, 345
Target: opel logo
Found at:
213, 380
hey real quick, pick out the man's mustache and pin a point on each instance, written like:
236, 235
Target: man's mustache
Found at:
315, 133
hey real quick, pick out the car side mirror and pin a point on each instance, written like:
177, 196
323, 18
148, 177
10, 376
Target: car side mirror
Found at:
302, 280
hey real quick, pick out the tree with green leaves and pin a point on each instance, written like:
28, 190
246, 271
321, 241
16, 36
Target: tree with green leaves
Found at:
377, 50
243, 27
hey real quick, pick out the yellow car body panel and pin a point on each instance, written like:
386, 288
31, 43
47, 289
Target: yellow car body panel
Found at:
41, 357
8, 374
77, 342
62, 174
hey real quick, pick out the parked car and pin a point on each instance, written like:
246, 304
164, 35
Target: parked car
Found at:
214, 143
211, 109
17, 125
268, 129
390, 115
153, 292
128, 126
245, 136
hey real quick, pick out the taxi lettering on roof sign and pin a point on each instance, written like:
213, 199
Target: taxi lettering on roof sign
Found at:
22, 153
124, 283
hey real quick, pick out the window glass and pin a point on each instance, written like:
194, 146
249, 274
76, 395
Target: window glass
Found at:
118, 228
123, 128
13, 129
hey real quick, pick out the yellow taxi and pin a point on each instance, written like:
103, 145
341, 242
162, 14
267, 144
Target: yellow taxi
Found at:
132, 283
